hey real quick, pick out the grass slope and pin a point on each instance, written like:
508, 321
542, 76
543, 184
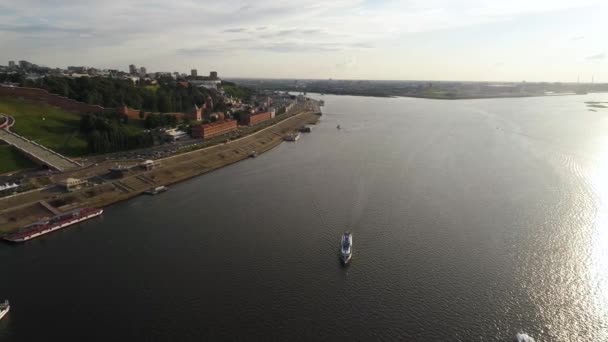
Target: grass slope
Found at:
47, 125
12, 160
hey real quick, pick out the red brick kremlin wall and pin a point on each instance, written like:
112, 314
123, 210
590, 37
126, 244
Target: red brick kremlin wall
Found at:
41, 95
134, 113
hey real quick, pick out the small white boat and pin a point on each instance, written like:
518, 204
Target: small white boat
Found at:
346, 247
4, 308
521, 337
156, 190
292, 137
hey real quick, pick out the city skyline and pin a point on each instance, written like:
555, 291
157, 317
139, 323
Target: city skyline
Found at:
438, 40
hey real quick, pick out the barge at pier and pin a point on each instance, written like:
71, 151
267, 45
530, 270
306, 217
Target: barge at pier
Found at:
46, 226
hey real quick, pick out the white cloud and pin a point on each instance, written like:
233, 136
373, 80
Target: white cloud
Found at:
164, 33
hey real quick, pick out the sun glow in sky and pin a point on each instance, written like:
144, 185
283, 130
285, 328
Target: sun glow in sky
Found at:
538, 40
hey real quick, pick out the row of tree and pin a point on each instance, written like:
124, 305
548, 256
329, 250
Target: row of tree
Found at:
167, 96
107, 134
160, 120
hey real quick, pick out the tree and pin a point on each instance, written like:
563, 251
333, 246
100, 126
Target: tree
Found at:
220, 106
87, 123
163, 102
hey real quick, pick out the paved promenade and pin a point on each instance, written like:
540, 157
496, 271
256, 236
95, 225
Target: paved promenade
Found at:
47, 156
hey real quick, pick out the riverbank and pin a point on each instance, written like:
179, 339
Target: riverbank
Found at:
23, 209
442, 96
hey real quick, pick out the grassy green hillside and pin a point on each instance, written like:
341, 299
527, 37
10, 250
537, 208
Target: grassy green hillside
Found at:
47, 125
12, 160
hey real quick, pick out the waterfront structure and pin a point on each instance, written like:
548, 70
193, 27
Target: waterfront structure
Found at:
213, 75
213, 129
72, 184
193, 73
149, 165
119, 171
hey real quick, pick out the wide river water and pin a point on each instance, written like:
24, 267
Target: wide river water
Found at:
473, 220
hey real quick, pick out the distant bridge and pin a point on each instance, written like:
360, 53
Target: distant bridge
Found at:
34, 150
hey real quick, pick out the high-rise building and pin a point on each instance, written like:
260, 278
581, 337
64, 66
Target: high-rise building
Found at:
132, 69
213, 75
142, 71
193, 73
25, 64
11, 64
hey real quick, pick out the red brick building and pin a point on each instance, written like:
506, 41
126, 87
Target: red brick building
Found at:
254, 119
213, 129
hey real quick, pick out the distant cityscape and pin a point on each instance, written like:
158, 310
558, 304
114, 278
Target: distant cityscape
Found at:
33, 72
410, 88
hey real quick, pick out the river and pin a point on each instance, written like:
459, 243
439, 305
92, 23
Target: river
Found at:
473, 220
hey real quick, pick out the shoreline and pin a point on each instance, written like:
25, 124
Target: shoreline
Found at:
18, 211
472, 97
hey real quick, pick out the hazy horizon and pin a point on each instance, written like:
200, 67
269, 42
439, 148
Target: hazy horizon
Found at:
473, 40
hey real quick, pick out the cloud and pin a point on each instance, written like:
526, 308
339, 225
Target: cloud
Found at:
596, 57
575, 38
42, 28
347, 64
234, 30
361, 45
291, 32
197, 51
163, 34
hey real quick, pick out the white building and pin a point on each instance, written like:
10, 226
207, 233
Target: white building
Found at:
174, 135
209, 84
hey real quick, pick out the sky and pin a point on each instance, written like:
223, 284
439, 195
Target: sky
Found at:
515, 40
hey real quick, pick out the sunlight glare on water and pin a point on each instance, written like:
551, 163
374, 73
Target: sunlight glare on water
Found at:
598, 263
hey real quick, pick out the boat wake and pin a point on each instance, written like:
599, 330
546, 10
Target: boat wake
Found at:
521, 337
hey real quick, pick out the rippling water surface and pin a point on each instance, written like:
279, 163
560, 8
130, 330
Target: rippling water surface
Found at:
473, 220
